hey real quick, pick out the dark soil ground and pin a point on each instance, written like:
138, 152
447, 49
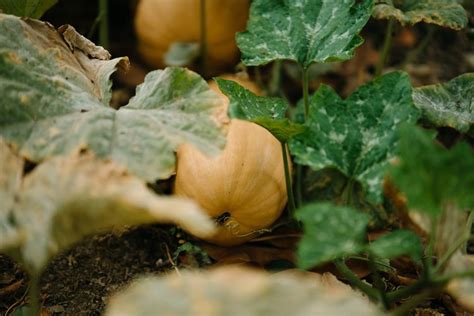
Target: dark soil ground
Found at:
79, 281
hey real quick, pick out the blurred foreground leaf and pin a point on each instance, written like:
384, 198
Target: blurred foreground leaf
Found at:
67, 198
55, 100
449, 104
446, 13
26, 8
239, 291
432, 176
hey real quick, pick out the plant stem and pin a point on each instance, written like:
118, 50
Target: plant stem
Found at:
378, 282
274, 85
407, 291
413, 302
299, 185
387, 45
306, 92
34, 296
203, 47
289, 188
355, 281
104, 24
454, 247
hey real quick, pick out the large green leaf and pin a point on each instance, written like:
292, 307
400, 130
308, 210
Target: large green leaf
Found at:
67, 198
240, 291
26, 8
432, 176
358, 135
448, 104
55, 100
305, 31
266, 111
330, 232
447, 13
398, 243
11, 170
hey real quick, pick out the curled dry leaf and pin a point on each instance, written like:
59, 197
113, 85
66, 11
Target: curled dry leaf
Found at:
238, 291
66, 198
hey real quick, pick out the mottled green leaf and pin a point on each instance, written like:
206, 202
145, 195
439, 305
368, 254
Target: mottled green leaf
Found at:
432, 176
69, 197
330, 232
11, 170
305, 31
268, 112
182, 54
397, 243
26, 8
358, 135
55, 99
446, 13
233, 290
448, 104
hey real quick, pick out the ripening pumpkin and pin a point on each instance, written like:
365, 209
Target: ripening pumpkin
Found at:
160, 23
243, 187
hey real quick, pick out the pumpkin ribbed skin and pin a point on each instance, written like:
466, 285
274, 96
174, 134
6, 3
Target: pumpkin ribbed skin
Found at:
246, 181
159, 23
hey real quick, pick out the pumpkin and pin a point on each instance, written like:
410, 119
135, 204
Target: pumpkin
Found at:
243, 187
160, 23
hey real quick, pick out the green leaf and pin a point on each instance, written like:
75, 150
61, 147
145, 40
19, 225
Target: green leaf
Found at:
305, 31
182, 54
396, 244
266, 111
448, 104
432, 176
446, 13
358, 135
69, 197
330, 232
26, 8
55, 100
235, 290
11, 171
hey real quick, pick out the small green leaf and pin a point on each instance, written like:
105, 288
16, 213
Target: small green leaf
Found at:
66, 198
432, 176
448, 104
446, 13
55, 99
26, 8
358, 135
266, 111
396, 244
330, 232
305, 31
236, 290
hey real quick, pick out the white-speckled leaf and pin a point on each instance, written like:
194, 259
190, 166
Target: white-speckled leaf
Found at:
66, 198
266, 111
358, 135
11, 170
449, 104
330, 232
305, 31
446, 13
238, 291
55, 100
26, 8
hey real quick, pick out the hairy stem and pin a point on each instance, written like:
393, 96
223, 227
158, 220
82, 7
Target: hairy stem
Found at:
387, 45
34, 296
289, 188
104, 24
355, 281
